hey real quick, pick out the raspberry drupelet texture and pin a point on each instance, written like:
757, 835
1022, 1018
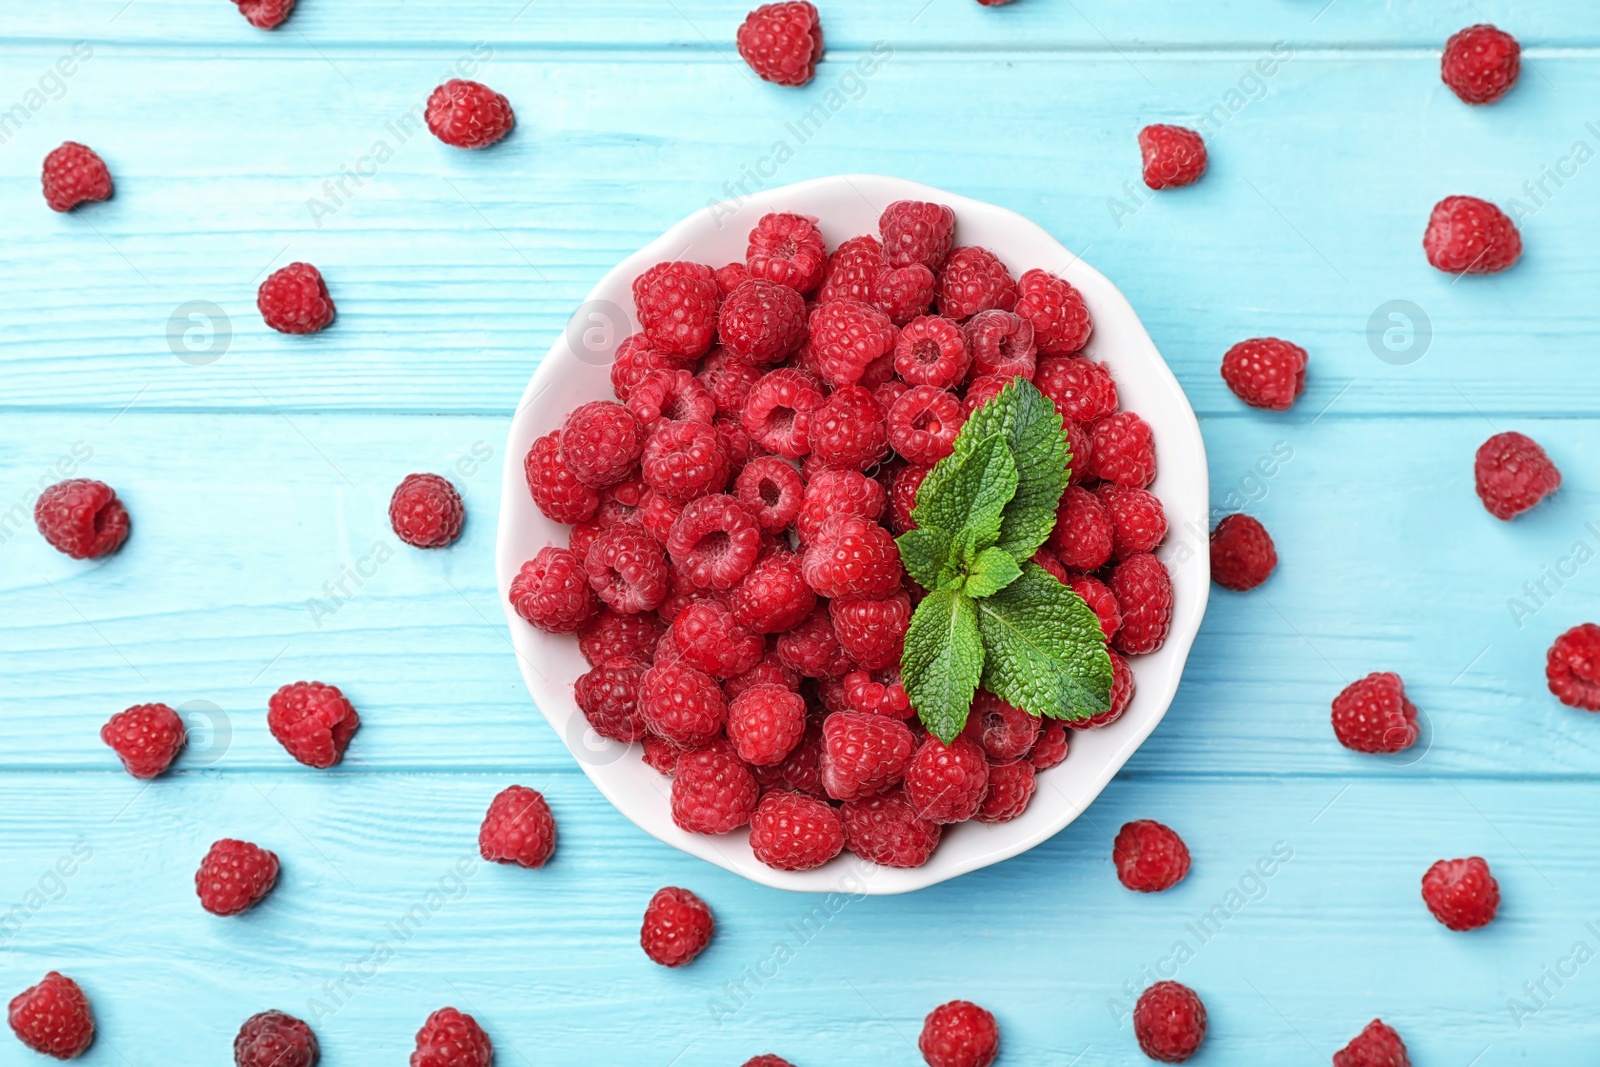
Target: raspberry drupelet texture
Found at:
1172, 155
313, 722
811, 647
1481, 64
1467, 235
915, 231
1083, 536
265, 15
932, 350
1122, 450
1050, 750
1266, 372
794, 832
451, 1038
959, 1034
887, 830
903, 293
872, 632
1242, 553
146, 738
683, 460
1512, 474
715, 540
626, 569
777, 413
765, 723
837, 492
946, 783
426, 511
1143, 589
274, 1039
771, 490
864, 755
782, 42
728, 380
468, 114
613, 635
848, 430
763, 321
82, 518
1169, 1022
677, 927
1001, 343
53, 1018
1057, 312
773, 597
712, 640
635, 358
1100, 600
848, 337
601, 440
518, 828
1462, 894
681, 703
787, 249
552, 592
713, 792
1149, 857
1081, 389
235, 876
852, 557
295, 300
1373, 715
73, 174
974, 280
1376, 1046
1572, 667
851, 271
1138, 521
556, 491
608, 696
1011, 787
676, 304
1004, 731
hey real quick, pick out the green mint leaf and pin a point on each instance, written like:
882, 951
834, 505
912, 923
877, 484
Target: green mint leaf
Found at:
925, 551
1033, 434
1043, 649
969, 489
992, 571
943, 661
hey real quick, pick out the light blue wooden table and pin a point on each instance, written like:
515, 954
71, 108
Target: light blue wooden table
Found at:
258, 482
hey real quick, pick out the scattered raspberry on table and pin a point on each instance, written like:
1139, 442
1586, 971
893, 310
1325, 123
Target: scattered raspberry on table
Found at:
1572, 667
1376, 1046
266, 15
274, 1039
235, 876
294, 299
1462, 894
782, 42
468, 114
82, 518
1173, 156
1512, 474
1373, 715
1467, 235
1242, 553
677, 927
313, 722
73, 175
1169, 1022
1150, 857
1266, 372
518, 828
426, 511
959, 1034
146, 738
1481, 64
53, 1018
451, 1038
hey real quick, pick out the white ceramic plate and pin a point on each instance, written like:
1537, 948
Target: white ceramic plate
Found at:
577, 369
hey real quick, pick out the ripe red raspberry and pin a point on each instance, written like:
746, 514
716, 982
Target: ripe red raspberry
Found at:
608, 696
626, 569
1470, 236
1083, 536
265, 15
426, 511
877, 693
1138, 522
974, 280
1005, 732
782, 42
601, 440
1122, 449
1051, 747
1081, 389
273, 1039
915, 231
1481, 64
683, 460
872, 632
773, 596
234, 876
851, 271
763, 321
74, 174
765, 723
794, 832
1376, 1046
1055, 308
848, 430
932, 351
1100, 600
556, 491
1462, 894
1572, 667
657, 515
451, 1038
1122, 686
788, 250
677, 307
636, 358
53, 1018
903, 496
1011, 787
837, 492
1173, 156
946, 783
1001, 342
1150, 857
681, 703
1265, 372
715, 540
864, 755
713, 792
770, 671
812, 648
677, 927
1169, 1021
959, 1034
81, 517
852, 557
468, 114
886, 830
613, 635
771, 490
1242, 553
552, 592
1373, 715
1143, 589
847, 337
713, 641
146, 737
294, 299
1513, 474
728, 380
313, 722
518, 828
730, 276
924, 423
777, 414
767, 1060
903, 293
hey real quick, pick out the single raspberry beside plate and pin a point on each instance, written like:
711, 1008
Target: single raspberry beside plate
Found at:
1572, 667
146, 737
274, 1039
468, 114
451, 1038
1481, 64
1169, 1022
1376, 1046
1265, 372
1242, 553
313, 722
53, 1018
235, 876
677, 927
1512, 474
518, 828
266, 15
1462, 894
295, 300
782, 42
73, 175
426, 511
1373, 715
1470, 236
1173, 156
1150, 857
81, 517
959, 1034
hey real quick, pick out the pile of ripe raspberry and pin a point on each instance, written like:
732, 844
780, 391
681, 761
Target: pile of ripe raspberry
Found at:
731, 573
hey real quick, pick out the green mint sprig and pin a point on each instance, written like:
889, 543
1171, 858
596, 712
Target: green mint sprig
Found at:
992, 616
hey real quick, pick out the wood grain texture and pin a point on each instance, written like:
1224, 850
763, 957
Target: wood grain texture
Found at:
258, 485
